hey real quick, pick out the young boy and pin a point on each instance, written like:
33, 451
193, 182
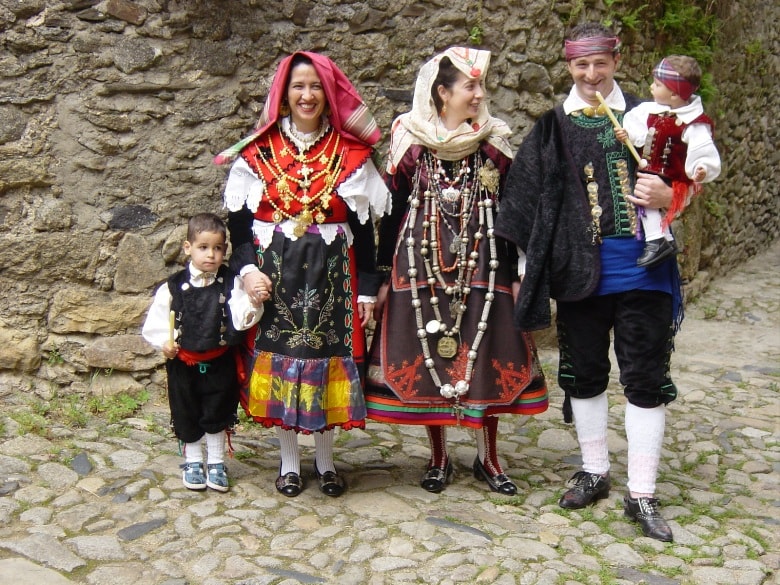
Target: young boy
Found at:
196, 318
676, 139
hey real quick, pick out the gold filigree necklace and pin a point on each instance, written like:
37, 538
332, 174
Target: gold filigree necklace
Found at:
312, 204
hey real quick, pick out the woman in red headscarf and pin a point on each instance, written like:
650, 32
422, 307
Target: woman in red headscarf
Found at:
301, 198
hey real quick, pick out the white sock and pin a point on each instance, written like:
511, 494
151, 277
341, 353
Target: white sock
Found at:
651, 225
590, 420
323, 451
215, 447
291, 458
645, 434
193, 452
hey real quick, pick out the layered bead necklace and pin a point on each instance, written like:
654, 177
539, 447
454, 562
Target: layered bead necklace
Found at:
450, 204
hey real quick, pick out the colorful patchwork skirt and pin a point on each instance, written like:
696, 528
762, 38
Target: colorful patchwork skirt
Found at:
305, 371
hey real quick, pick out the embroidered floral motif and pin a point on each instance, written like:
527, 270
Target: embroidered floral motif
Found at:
406, 376
509, 378
309, 313
607, 138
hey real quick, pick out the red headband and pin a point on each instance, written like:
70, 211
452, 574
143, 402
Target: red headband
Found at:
664, 73
591, 46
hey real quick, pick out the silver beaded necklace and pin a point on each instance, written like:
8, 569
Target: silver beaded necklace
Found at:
435, 205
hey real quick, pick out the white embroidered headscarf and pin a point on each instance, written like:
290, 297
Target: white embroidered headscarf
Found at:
422, 124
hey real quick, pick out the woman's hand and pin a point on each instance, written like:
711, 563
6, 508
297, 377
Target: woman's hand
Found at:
258, 286
381, 298
650, 191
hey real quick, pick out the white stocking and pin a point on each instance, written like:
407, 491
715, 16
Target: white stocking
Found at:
323, 451
645, 434
215, 447
590, 420
288, 444
651, 224
192, 452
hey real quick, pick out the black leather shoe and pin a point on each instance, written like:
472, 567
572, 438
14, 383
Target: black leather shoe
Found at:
436, 478
645, 511
498, 483
289, 484
655, 252
585, 489
331, 483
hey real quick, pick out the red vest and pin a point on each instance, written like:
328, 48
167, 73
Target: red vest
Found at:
664, 150
303, 187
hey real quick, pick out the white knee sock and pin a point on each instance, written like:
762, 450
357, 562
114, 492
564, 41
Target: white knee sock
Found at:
215, 447
323, 451
651, 224
288, 447
193, 452
645, 434
590, 420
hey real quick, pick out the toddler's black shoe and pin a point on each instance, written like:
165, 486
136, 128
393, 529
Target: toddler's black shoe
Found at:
655, 252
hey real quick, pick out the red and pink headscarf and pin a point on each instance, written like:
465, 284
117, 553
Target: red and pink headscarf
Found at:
349, 115
591, 46
666, 74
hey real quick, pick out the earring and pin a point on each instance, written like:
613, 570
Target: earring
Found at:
284, 109
444, 109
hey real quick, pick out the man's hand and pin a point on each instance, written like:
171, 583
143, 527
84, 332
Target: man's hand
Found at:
650, 191
365, 312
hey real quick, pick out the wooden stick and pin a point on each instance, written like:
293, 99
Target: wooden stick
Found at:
172, 326
640, 161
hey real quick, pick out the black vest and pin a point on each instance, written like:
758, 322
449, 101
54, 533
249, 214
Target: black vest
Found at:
202, 314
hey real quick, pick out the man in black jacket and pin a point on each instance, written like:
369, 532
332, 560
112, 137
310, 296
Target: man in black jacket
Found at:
570, 205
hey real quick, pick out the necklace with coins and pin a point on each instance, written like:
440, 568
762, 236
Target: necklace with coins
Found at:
450, 204
320, 166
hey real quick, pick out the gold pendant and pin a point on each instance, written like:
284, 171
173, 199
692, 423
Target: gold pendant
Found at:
299, 230
489, 177
447, 347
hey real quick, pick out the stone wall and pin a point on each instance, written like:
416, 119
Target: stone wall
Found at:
111, 112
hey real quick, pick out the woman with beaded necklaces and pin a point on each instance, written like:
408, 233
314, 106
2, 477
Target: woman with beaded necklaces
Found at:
445, 352
301, 199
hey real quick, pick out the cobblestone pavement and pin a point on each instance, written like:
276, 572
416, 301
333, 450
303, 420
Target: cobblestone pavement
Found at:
104, 504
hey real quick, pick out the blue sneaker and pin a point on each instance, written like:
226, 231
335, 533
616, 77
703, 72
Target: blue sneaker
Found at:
217, 478
193, 477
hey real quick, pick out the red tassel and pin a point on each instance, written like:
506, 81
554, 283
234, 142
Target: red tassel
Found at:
682, 193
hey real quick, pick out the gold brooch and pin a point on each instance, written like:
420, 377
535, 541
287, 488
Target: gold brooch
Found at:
489, 177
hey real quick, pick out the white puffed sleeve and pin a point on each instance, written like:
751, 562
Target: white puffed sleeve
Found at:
243, 186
